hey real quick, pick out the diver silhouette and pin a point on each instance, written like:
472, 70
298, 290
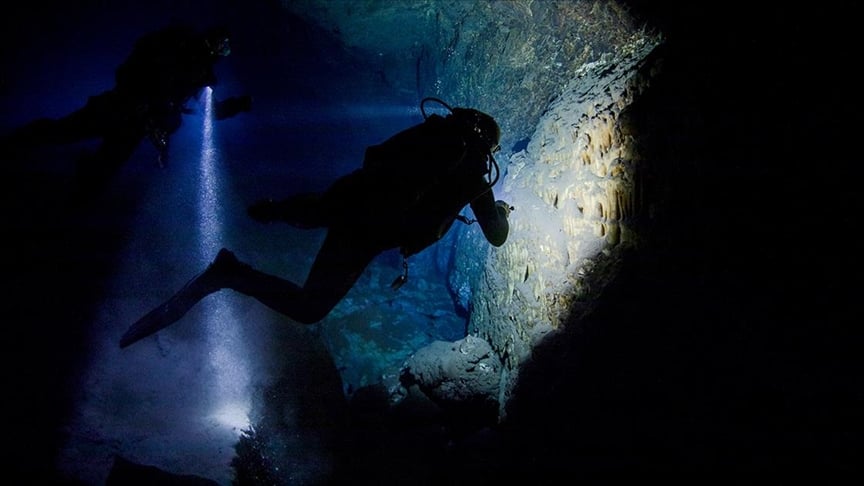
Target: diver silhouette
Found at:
407, 194
165, 70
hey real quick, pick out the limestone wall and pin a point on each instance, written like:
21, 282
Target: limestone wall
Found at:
509, 58
558, 73
573, 188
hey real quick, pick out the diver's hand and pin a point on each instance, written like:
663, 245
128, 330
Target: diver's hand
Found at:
263, 211
232, 106
504, 207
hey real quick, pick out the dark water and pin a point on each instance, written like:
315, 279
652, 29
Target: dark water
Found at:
81, 274
730, 349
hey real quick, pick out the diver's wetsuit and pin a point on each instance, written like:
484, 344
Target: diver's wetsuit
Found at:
165, 69
408, 193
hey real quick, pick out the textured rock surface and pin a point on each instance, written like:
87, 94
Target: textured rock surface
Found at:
454, 374
509, 58
574, 189
557, 75
374, 329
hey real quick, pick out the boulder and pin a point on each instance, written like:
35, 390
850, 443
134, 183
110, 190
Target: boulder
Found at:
461, 376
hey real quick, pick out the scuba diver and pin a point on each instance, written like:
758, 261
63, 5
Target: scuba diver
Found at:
408, 193
165, 69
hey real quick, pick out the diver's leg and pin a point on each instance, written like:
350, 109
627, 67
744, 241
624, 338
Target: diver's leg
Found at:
89, 121
50, 131
214, 278
338, 265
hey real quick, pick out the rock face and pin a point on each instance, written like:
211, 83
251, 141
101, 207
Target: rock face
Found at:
507, 58
559, 77
127, 473
575, 190
460, 375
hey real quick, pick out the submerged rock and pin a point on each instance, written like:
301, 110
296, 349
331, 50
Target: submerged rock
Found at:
461, 376
127, 473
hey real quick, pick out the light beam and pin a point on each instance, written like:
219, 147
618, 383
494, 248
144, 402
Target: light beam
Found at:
226, 347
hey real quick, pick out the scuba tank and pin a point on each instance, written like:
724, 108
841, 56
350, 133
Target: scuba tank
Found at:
482, 125
483, 132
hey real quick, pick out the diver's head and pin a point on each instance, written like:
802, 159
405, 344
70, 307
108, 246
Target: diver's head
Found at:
217, 40
482, 125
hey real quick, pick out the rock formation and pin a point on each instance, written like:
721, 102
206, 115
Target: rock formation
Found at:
559, 77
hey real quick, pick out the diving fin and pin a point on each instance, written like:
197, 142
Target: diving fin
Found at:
177, 306
153, 322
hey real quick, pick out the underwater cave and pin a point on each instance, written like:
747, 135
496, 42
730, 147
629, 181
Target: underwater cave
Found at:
558, 352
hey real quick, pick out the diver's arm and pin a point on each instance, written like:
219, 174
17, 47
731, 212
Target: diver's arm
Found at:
492, 216
232, 106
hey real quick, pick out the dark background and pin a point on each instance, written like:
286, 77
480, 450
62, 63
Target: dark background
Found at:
729, 346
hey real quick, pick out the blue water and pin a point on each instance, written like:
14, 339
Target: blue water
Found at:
180, 400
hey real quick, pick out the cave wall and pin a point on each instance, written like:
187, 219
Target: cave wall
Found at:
557, 74
509, 58
575, 189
